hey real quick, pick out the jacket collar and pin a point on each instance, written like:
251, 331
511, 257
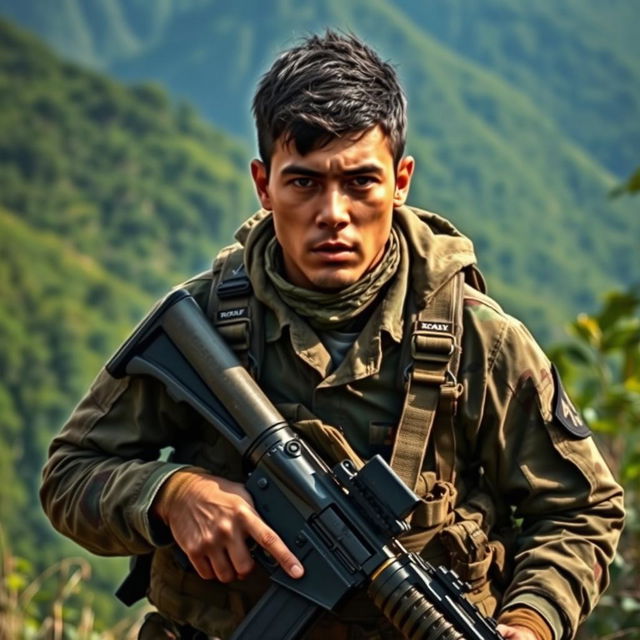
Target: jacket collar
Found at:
437, 251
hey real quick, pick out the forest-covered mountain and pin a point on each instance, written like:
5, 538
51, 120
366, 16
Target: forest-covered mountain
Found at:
108, 196
575, 59
142, 187
522, 117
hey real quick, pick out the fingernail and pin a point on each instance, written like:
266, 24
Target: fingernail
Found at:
296, 571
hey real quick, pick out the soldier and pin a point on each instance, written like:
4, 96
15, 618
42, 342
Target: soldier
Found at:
343, 277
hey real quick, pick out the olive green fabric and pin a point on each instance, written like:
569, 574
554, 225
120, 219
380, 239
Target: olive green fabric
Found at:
325, 309
514, 459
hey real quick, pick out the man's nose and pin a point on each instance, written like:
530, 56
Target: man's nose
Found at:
334, 209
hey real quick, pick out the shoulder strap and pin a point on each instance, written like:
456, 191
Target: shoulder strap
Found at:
232, 308
432, 386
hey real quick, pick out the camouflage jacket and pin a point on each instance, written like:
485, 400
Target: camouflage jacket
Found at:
531, 516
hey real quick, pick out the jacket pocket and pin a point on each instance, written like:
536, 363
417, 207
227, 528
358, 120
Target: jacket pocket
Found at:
435, 511
478, 561
185, 598
470, 552
328, 441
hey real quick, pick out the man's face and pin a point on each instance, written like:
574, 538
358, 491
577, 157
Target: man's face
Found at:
332, 208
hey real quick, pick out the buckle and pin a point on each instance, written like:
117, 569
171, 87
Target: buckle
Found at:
432, 346
236, 333
234, 287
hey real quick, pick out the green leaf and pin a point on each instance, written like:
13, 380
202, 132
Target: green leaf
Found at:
618, 304
629, 604
15, 582
587, 328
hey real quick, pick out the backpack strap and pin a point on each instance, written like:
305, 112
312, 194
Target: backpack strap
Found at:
432, 387
232, 307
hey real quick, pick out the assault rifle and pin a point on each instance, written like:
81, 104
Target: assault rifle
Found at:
342, 523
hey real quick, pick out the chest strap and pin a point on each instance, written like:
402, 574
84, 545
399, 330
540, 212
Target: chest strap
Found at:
231, 306
432, 387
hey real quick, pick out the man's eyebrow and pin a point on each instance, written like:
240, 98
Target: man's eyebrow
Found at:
300, 170
365, 168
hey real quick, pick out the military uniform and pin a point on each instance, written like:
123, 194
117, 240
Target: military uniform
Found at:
515, 498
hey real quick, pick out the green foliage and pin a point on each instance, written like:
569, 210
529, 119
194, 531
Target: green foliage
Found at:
51, 604
601, 367
61, 314
144, 188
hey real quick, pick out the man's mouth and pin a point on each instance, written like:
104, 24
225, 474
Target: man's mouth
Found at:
332, 250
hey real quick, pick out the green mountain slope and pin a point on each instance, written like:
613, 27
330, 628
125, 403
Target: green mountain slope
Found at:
61, 313
108, 195
578, 61
144, 187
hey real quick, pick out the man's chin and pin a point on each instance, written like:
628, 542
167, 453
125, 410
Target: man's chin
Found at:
333, 283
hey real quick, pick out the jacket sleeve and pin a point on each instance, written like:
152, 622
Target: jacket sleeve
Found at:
104, 467
103, 471
542, 461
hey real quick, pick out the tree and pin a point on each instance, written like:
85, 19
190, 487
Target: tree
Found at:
601, 368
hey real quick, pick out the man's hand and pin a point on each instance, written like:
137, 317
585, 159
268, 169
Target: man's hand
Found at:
516, 633
210, 519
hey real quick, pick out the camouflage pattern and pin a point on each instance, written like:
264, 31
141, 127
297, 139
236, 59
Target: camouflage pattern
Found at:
531, 517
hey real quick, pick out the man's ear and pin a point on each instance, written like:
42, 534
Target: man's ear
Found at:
261, 182
403, 180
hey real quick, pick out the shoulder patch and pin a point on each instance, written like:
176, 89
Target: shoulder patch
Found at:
565, 412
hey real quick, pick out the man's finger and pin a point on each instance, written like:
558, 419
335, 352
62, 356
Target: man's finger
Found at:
222, 566
240, 557
270, 541
202, 565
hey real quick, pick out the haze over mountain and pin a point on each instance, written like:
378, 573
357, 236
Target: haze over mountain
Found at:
522, 117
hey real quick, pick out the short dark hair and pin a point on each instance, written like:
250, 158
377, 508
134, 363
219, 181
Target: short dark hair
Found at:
328, 86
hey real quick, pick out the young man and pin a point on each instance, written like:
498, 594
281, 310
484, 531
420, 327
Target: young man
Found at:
516, 497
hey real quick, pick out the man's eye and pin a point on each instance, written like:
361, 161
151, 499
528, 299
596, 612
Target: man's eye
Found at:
361, 181
304, 183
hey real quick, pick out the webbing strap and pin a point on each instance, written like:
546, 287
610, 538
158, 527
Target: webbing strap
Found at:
435, 351
229, 305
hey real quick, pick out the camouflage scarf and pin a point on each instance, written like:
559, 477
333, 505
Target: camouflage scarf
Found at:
324, 310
